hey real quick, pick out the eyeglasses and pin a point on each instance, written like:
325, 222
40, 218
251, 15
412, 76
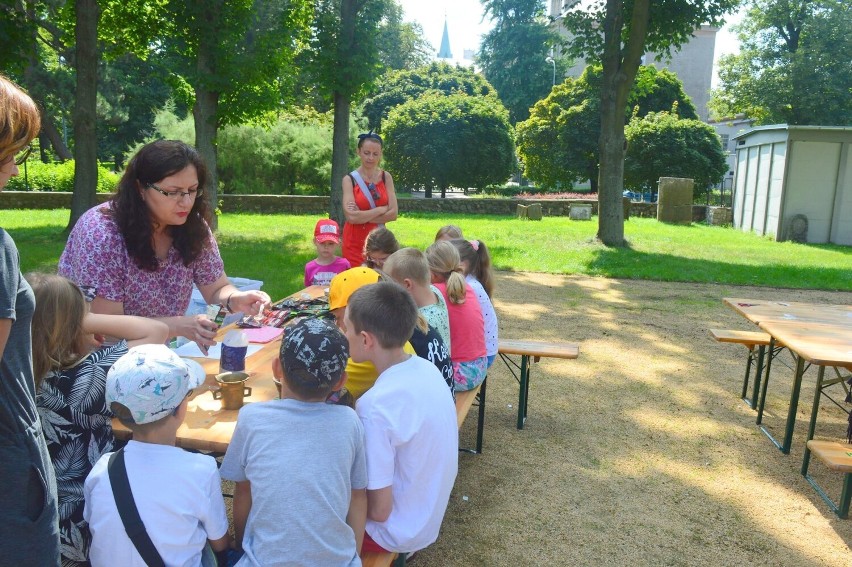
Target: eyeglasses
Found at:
379, 261
374, 193
176, 195
22, 157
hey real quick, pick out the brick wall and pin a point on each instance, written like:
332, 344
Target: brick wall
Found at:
299, 204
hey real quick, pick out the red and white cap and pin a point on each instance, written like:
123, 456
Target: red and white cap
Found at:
327, 230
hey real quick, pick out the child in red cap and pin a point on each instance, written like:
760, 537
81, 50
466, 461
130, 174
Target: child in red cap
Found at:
327, 264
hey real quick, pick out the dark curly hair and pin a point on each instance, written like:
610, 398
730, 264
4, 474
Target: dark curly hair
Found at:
151, 164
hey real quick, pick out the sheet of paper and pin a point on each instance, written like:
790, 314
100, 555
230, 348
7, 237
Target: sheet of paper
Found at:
191, 350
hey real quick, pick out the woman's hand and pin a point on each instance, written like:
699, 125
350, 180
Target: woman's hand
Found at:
198, 328
248, 302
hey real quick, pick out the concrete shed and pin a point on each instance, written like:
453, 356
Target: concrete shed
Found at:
783, 171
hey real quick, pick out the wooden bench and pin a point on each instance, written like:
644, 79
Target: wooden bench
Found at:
373, 559
749, 339
464, 401
837, 457
526, 350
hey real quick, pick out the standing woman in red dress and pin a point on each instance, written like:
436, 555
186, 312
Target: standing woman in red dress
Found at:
369, 199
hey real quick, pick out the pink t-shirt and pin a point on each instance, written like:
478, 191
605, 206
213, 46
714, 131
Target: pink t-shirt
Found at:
95, 255
316, 274
467, 329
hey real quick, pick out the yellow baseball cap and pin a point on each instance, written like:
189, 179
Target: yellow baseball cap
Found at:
345, 283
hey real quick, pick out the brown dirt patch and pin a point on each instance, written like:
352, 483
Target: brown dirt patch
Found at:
640, 450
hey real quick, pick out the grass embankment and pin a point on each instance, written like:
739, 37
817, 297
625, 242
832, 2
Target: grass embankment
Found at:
275, 248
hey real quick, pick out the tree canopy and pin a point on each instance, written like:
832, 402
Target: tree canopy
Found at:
661, 144
794, 64
617, 33
559, 141
398, 87
447, 141
513, 55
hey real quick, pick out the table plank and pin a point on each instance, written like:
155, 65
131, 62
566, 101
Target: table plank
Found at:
823, 344
759, 310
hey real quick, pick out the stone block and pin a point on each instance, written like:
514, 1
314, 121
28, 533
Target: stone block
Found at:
674, 200
719, 216
534, 211
580, 212
523, 212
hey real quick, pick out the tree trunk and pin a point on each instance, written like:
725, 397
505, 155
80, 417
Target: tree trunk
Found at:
205, 113
339, 155
54, 137
206, 108
341, 102
85, 106
620, 64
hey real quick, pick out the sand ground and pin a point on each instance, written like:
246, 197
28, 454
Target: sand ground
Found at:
641, 450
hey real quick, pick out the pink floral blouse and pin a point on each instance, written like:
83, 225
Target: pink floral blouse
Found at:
95, 255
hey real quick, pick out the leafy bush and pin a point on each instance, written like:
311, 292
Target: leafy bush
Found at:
57, 177
282, 154
292, 156
449, 141
663, 145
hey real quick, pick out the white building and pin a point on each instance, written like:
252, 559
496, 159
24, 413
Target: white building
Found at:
693, 64
789, 176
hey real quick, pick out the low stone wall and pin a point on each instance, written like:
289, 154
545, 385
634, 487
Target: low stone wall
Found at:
307, 205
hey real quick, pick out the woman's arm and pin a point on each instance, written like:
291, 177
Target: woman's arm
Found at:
136, 330
357, 516
242, 507
223, 292
392, 209
351, 211
5, 331
196, 328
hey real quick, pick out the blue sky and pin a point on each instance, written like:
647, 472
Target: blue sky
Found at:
466, 26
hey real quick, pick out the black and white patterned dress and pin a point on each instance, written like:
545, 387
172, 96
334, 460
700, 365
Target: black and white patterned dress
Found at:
77, 428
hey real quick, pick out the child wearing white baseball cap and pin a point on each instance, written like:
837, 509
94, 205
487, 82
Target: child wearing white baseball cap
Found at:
177, 494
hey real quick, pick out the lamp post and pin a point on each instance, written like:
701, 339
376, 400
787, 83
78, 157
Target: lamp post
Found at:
552, 61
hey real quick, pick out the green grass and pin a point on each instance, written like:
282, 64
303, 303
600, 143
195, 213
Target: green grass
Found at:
275, 248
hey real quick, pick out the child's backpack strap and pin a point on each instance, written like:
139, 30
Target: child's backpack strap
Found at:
129, 512
363, 186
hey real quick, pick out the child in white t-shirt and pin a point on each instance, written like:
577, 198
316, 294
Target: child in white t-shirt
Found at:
327, 264
178, 494
409, 424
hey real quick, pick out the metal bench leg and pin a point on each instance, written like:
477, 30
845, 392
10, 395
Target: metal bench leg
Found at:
758, 374
747, 372
523, 391
812, 426
762, 402
845, 496
480, 424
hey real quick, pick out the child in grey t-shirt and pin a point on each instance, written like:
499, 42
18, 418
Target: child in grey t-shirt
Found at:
299, 463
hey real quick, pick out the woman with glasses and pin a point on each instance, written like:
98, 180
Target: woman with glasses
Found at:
28, 504
369, 199
143, 250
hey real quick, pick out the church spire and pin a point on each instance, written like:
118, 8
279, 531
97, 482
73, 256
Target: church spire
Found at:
444, 52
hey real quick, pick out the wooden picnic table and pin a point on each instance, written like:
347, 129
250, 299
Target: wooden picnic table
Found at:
814, 333
207, 426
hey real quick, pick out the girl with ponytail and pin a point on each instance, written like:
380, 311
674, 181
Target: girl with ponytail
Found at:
467, 329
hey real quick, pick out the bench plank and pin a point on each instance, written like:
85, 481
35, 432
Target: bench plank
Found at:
538, 348
464, 401
836, 456
749, 338
374, 559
